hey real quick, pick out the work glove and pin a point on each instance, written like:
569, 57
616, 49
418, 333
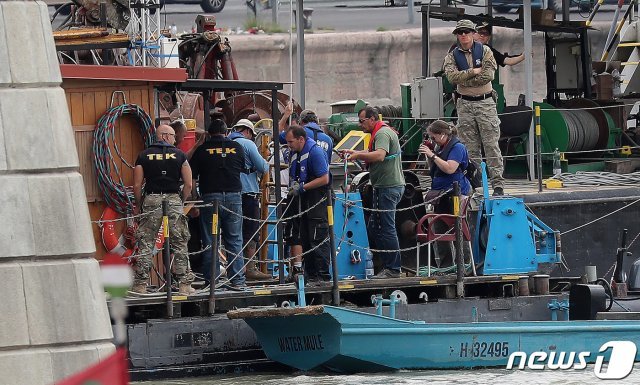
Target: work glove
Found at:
296, 189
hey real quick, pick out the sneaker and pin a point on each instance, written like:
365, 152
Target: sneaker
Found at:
498, 191
387, 273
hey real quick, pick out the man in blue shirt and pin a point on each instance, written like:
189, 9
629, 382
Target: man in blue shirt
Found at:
244, 133
309, 184
309, 121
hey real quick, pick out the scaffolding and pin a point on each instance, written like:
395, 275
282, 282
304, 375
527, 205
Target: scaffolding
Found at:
144, 31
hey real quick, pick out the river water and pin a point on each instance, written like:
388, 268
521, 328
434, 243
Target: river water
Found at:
430, 377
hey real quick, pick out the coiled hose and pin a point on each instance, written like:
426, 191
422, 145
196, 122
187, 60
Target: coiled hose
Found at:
114, 191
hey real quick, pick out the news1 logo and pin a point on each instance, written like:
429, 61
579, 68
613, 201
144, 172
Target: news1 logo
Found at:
619, 365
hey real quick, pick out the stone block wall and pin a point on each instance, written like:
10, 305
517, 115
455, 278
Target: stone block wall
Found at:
372, 65
54, 315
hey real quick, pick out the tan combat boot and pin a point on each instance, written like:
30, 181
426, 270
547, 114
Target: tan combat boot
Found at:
253, 274
186, 289
139, 288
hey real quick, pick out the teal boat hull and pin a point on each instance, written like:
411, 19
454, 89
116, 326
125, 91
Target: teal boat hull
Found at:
349, 341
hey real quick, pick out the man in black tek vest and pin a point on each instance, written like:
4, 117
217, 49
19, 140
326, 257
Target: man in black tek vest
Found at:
217, 164
161, 167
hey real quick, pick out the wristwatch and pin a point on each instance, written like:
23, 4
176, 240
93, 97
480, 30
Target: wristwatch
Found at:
432, 157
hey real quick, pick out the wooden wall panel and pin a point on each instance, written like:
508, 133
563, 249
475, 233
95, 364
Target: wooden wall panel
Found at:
87, 102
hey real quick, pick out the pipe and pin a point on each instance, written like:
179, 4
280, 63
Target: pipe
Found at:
595, 10
539, 148
335, 291
166, 256
214, 262
459, 252
612, 29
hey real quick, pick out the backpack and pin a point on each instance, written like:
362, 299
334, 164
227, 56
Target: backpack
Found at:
473, 173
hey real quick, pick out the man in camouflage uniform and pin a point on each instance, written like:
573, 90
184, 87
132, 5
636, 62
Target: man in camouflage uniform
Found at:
161, 167
471, 67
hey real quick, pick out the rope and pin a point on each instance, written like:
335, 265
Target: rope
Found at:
114, 191
282, 219
600, 218
594, 178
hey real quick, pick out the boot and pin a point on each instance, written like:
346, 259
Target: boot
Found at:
292, 277
186, 289
139, 288
253, 274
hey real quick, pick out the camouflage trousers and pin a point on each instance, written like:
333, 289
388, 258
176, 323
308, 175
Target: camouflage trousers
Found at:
148, 231
479, 129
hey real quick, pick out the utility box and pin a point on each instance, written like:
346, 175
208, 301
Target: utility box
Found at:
169, 57
426, 98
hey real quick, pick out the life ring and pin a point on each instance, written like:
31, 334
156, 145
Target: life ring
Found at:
122, 244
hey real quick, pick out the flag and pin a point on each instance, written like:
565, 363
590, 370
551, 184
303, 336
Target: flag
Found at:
110, 371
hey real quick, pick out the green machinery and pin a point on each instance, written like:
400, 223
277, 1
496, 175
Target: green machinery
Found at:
578, 126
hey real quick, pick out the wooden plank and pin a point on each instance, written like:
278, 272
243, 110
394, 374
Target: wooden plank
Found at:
100, 103
89, 108
84, 141
75, 104
275, 312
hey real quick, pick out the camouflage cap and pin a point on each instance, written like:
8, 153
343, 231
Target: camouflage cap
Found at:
307, 116
465, 24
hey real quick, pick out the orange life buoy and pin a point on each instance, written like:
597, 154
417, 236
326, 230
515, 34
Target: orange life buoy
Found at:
121, 244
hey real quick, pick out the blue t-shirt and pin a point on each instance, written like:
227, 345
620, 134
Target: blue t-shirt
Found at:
252, 161
317, 163
459, 154
323, 140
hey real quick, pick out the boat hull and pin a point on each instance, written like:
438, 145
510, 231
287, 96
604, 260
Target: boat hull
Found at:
345, 340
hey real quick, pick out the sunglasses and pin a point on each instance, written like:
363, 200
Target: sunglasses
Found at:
484, 33
463, 32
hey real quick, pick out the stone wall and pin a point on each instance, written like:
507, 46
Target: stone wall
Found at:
372, 65
53, 314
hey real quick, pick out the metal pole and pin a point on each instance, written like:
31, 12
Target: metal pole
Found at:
166, 255
275, 115
539, 147
410, 10
528, 70
299, 53
335, 291
274, 11
214, 260
459, 256
612, 28
426, 67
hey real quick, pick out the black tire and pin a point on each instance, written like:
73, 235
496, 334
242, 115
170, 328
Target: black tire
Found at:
502, 9
213, 6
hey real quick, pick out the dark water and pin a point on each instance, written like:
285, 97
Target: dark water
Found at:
428, 377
